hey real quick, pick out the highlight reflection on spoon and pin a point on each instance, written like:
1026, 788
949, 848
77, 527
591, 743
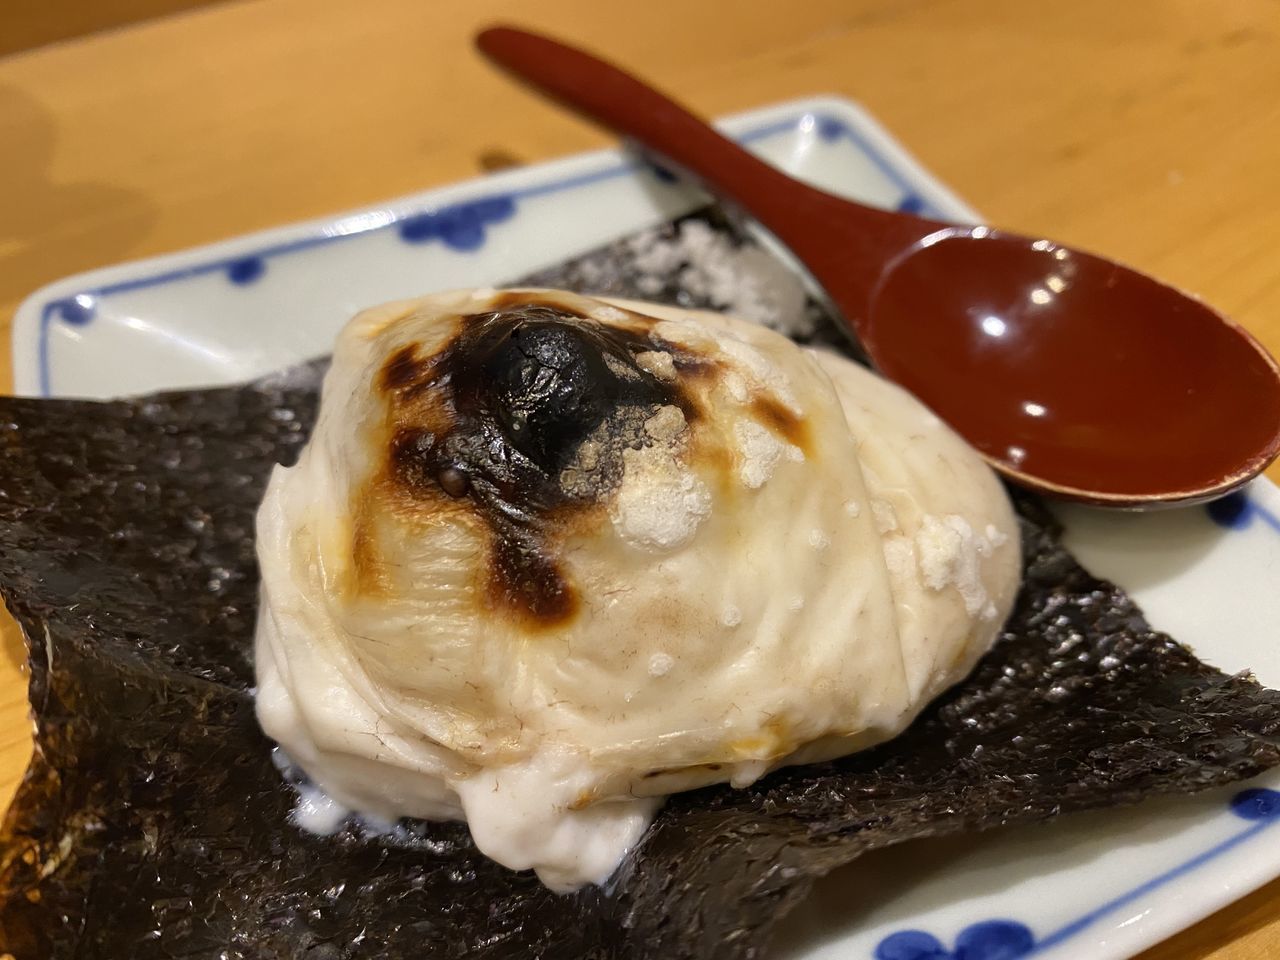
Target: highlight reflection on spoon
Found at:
1071, 374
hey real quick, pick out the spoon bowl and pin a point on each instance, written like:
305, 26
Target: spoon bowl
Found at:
1074, 374
1071, 374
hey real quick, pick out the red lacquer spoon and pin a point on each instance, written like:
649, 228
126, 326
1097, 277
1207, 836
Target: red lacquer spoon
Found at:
1071, 374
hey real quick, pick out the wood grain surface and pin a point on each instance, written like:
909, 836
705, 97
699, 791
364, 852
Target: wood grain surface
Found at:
34, 23
1149, 130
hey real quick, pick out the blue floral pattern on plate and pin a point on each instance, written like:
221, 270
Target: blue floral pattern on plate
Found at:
1012, 940
462, 227
1236, 511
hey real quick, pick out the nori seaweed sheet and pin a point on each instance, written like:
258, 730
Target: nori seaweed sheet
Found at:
153, 822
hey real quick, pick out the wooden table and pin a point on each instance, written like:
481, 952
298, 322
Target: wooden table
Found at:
1148, 129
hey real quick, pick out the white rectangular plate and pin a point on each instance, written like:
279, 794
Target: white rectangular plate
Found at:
1100, 886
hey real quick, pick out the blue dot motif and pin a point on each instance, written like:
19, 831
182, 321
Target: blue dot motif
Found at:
494, 209
1256, 804
77, 311
829, 128
661, 173
994, 940
246, 270
911, 945
461, 226
986, 940
1232, 511
418, 229
911, 203
1238, 511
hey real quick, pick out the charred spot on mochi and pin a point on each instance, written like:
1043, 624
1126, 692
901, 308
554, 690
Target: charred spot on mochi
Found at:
364, 555
414, 458
550, 380
403, 370
525, 578
692, 365
523, 418
781, 421
546, 400
453, 482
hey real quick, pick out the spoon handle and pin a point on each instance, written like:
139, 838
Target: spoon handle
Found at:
632, 108
844, 245
793, 211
